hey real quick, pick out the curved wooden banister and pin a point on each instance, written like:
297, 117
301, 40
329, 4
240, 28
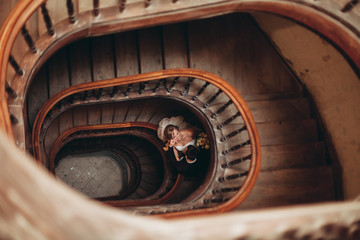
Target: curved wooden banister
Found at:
8, 34
199, 74
347, 41
221, 84
341, 28
78, 218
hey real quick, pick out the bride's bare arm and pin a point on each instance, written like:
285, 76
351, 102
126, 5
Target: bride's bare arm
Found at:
190, 132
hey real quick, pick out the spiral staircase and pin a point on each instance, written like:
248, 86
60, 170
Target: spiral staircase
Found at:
95, 82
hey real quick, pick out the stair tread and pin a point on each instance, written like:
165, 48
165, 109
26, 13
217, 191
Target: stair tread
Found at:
298, 131
271, 96
291, 186
280, 109
286, 156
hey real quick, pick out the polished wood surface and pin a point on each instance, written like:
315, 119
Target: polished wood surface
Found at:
77, 217
238, 102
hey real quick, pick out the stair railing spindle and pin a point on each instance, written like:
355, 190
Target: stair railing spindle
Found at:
215, 200
15, 66
236, 147
28, 39
142, 87
232, 134
13, 119
187, 87
350, 5
99, 94
220, 110
126, 93
114, 91
71, 12
47, 19
122, 5
233, 176
9, 90
157, 86
172, 84
229, 120
202, 89
96, 5
206, 105
236, 161
225, 190
147, 3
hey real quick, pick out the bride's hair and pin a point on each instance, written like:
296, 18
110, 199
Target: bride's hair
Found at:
168, 132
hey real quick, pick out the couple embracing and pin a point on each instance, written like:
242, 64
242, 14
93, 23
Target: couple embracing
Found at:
185, 145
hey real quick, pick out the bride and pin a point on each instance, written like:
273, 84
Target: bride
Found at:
179, 137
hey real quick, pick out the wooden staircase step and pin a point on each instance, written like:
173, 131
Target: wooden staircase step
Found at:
282, 109
289, 132
291, 186
284, 156
292, 156
271, 96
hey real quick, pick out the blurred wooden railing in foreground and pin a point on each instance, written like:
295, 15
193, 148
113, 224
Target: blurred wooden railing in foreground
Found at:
36, 206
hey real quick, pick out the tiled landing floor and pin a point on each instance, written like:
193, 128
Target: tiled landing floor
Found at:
94, 175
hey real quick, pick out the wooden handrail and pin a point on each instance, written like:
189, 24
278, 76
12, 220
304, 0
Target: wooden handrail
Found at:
9, 31
341, 29
221, 84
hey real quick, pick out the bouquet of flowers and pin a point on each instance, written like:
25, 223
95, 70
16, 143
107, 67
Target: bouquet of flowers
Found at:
202, 141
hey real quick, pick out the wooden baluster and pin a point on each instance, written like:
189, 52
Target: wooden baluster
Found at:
236, 161
215, 200
86, 94
206, 105
202, 89
122, 5
220, 110
142, 87
126, 93
187, 87
172, 84
28, 39
157, 86
114, 91
225, 190
147, 3
9, 90
236, 147
233, 176
229, 120
234, 133
47, 19
13, 119
71, 12
99, 94
96, 7
350, 5
15, 66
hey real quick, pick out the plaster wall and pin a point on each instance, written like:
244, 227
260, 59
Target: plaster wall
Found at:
333, 84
